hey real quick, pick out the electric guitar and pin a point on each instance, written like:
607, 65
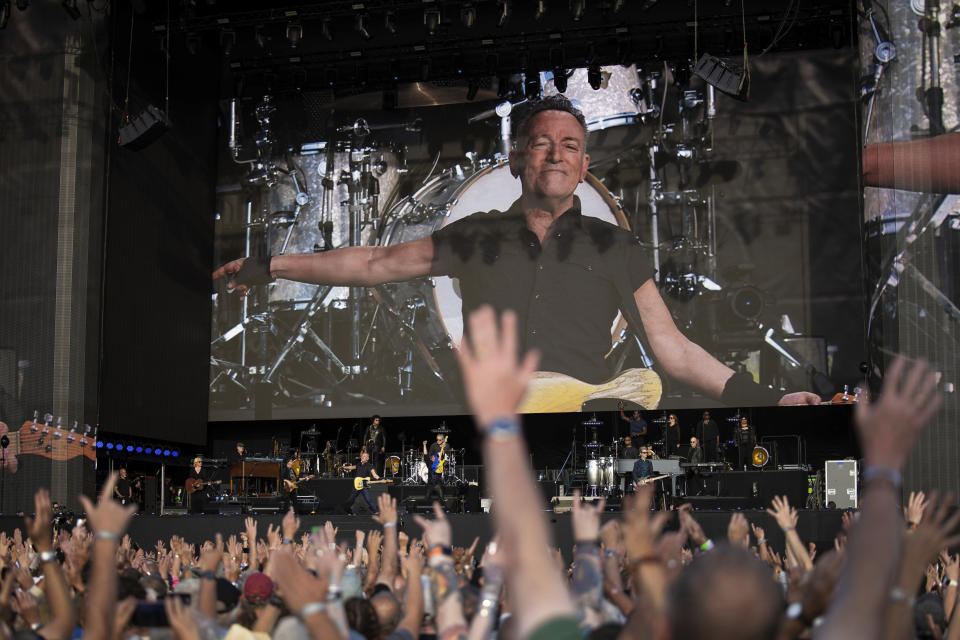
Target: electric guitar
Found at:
551, 392
359, 483
291, 485
643, 481
193, 485
436, 466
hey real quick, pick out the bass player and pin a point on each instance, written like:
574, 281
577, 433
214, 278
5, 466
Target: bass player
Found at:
435, 458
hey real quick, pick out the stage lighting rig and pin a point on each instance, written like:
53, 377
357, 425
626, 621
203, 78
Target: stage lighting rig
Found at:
505, 10
360, 25
431, 18
70, 6
294, 34
472, 88
560, 79
326, 30
228, 39
577, 8
541, 9
390, 22
594, 76
468, 15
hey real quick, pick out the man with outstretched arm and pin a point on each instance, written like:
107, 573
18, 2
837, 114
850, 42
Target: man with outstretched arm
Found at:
533, 259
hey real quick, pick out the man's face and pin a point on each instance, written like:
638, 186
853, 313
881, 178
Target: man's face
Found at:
364, 457
693, 442
552, 159
636, 415
743, 422
439, 439
123, 473
627, 442
643, 453
376, 421
706, 415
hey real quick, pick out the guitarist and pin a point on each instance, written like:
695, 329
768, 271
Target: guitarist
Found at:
289, 485
363, 470
198, 499
435, 458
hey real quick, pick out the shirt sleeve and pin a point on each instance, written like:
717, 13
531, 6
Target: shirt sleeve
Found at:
453, 246
639, 264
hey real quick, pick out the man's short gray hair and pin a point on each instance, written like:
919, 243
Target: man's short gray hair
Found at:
559, 102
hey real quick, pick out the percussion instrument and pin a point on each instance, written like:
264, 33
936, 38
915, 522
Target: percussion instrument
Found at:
392, 465
760, 456
594, 473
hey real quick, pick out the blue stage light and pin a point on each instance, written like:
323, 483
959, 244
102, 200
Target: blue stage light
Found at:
148, 450
109, 445
99, 444
139, 449
166, 452
175, 453
130, 448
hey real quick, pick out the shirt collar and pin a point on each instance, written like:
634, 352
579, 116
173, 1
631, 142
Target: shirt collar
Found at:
569, 218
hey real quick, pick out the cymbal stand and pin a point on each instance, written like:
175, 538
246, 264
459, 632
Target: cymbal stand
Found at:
303, 330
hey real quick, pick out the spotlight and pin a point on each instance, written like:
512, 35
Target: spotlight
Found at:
70, 6
541, 9
109, 446
193, 44
259, 38
294, 34
560, 80
531, 86
594, 76
325, 30
472, 87
468, 15
175, 454
360, 25
99, 444
576, 9
228, 38
148, 450
503, 86
390, 22
166, 452
504, 12
139, 449
23, 4
129, 448
432, 20
4, 13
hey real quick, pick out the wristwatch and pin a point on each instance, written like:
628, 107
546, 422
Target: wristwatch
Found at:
48, 556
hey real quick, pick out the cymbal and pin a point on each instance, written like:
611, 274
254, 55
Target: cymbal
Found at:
441, 429
411, 95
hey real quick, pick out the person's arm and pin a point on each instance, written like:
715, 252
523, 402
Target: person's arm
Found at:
373, 561
684, 360
40, 529
786, 516
349, 266
305, 595
447, 599
587, 586
387, 506
413, 601
482, 624
108, 521
888, 431
250, 526
495, 384
373, 472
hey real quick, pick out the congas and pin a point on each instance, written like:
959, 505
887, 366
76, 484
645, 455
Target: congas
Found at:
392, 465
760, 456
594, 472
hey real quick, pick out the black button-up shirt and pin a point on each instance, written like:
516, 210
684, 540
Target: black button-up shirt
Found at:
562, 291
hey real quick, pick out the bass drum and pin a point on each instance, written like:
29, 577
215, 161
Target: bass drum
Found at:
454, 195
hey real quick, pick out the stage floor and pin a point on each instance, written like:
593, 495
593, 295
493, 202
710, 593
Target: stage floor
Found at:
819, 527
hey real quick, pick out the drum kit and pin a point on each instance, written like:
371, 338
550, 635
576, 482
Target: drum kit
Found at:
324, 346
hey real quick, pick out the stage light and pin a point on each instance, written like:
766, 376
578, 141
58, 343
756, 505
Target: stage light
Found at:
503, 86
148, 450
560, 80
70, 6
472, 87
541, 9
576, 9
532, 86
110, 446
193, 43
228, 38
390, 22
129, 448
259, 38
4, 13
431, 18
468, 15
139, 449
166, 452
99, 444
390, 98
504, 12
617, 5
294, 34
594, 76
360, 24
175, 453
326, 30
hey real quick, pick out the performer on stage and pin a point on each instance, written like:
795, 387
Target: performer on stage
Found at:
289, 492
696, 452
363, 470
693, 483
123, 490
745, 439
198, 499
330, 458
239, 454
375, 440
638, 426
642, 468
671, 437
435, 457
629, 451
708, 435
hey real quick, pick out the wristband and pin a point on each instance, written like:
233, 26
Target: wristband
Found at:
740, 389
106, 535
899, 595
389, 524
287, 541
311, 608
912, 526
761, 541
883, 473
950, 583
208, 575
254, 270
785, 529
35, 626
48, 556
439, 550
504, 429
706, 546
594, 543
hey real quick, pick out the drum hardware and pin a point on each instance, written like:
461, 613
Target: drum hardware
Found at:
443, 428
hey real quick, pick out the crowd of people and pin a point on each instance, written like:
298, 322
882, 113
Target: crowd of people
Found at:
887, 576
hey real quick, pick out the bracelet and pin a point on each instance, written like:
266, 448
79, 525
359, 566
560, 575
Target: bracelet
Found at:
106, 535
439, 550
591, 543
950, 583
761, 541
707, 546
48, 556
785, 529
311, 608
389, 524
287, 541
505, 428
892, 476
208, 575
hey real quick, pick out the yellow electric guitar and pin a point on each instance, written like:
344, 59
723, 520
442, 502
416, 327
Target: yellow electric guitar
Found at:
359, 483
551, 392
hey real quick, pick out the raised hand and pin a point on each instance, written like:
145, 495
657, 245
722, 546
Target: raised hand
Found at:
40, 526
916, 503
290, 524
387, 506
738, 531
273, 536
785, 515
180, 617
889, 428
374, 538
585, 518
108, 515
494, 380
436, 532
691, 526
640, 530
937, 531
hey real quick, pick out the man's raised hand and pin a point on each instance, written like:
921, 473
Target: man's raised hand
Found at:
108, 515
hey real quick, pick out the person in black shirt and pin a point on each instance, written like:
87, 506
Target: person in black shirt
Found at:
123, 490
642, 468
289, 478
671, 437
363, 470
434, 457
638, 426
198, 499
694, 482
745, 438
629, 451
708, 433
534, 259
375, 440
